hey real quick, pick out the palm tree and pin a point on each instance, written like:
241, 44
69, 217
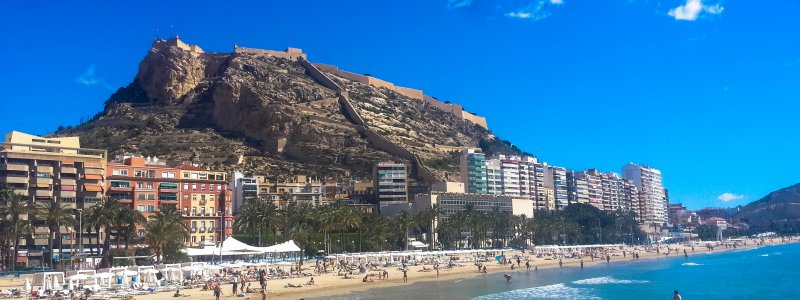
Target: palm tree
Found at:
299, 224
163, 229
405, 222
54, 215
14, 206
126, 221
256, 217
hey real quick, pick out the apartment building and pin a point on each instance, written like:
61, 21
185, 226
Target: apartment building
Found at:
577, 188
144, 183
52, 169
556, 179
298, 189
473, 171
652, 196
390, 183
206, 203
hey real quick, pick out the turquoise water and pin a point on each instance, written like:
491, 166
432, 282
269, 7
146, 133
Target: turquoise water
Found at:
762, 273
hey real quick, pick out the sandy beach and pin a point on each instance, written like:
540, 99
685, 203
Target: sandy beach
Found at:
329, 284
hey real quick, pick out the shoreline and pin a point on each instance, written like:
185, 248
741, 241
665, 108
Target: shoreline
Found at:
330, 285
493, 268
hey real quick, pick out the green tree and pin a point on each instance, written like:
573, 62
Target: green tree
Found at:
12, 207
54, 215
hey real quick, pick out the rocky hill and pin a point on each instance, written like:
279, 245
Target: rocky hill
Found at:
263, 112
778, 211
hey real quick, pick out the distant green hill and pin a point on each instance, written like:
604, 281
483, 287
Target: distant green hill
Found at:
778, 211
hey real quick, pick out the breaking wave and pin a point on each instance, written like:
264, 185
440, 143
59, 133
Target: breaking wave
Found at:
553, 291
608, 280
691, 264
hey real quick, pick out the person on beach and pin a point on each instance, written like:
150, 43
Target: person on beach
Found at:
235, 285
581, 264
676, 296
217, 291
560, 263
518, 262
686, 255
508, 278
405, 275
608, 258
528, 265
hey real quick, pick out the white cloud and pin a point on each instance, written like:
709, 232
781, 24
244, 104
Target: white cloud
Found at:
727, 197
692, 9
535, 11
90, 79
453, 4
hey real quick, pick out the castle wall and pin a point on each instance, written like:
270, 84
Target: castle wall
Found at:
455, 109
409, 92
290, 53
474, 119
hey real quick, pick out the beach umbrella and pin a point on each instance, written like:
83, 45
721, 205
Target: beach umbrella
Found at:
27, 285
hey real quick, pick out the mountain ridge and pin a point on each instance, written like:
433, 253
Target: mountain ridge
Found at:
264, 111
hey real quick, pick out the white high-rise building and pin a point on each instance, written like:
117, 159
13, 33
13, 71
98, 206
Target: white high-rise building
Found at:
652, 197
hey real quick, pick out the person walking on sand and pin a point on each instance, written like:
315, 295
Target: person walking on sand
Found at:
405, 275
686, 255
235, 282
217, 291
676, 296
528, 265
608, 258
560, 263
581, 264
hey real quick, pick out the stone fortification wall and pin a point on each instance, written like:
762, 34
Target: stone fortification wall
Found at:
289, 53
374, 138
455, 109
408, 92
474, 119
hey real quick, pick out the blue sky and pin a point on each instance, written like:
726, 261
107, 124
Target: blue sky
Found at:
705, 90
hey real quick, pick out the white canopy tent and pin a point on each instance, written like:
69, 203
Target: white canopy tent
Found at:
232, 247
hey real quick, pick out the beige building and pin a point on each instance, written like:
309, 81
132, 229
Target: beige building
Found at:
52, 169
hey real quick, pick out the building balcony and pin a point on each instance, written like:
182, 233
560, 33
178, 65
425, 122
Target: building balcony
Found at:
44, 169
14, 167
14, 178
202, 230
93, 171
22, 192
69, 170
194, 229
67, 194
42, 180
43, 193
67, 181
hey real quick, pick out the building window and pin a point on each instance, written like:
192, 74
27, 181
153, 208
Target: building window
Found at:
194, 239
151, 208
194, 224
120, 184
140, 208
203, 176
167, 174
185, 186
194, 186
120, 172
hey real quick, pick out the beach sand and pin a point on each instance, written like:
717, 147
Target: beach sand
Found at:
330, 285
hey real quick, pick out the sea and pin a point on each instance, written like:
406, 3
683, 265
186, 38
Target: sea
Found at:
770, 272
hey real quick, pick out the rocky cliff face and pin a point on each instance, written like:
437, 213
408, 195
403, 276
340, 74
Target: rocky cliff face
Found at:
266, 115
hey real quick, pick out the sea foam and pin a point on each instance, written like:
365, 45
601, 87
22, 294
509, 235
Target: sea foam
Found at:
607, 280
553, 291
691, 264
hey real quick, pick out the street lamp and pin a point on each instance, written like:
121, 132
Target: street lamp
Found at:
221, 234
80, 237
600, 229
